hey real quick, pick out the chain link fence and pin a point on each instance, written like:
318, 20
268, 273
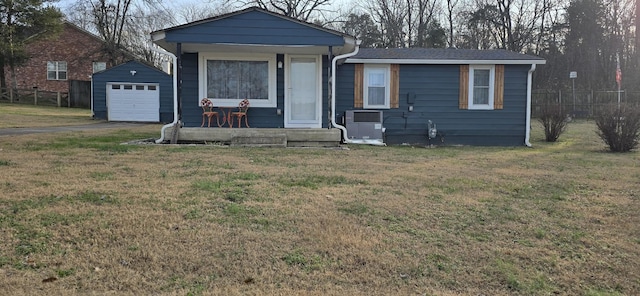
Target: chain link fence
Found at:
581, 104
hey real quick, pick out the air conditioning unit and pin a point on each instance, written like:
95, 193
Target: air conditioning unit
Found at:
363, 124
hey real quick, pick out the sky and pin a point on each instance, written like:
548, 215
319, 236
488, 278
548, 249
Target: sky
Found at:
177, 8
177, 4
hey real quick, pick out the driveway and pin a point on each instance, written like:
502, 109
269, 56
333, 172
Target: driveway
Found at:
70, 128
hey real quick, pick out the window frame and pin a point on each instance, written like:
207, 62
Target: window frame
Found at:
471, 88
94, 64
57, 70
386, 68
227, 102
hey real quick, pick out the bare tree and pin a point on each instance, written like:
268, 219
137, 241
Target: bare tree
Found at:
79, 14
124, 25
477, 32
390, 14
423, 20
510, 24
637, 23
194, 12
406, 23
110, 18
304, 10
619, 41
451, 6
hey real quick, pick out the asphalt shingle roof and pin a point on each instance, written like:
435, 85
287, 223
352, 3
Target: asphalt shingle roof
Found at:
452, 54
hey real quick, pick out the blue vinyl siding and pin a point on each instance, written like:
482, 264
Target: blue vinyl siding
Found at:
253, 27
258, 117
192, 113
144, 74
189, 96
435, 89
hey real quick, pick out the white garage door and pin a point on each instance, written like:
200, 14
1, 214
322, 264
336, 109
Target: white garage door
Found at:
133, 102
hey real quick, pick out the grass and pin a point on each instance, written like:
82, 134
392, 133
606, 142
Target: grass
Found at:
40, 116
558, 218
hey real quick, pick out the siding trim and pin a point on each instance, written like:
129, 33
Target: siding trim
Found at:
463, 100
395, 86
498, 92
358, 83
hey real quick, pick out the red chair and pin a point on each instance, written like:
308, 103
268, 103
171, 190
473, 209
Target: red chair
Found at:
208, 113
243, 107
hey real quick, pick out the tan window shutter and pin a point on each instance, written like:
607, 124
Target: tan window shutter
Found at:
395, 86
463, 100
358, 84
498, 91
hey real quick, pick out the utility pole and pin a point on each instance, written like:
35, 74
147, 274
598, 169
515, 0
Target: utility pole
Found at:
637, 26
618, 76
573, 75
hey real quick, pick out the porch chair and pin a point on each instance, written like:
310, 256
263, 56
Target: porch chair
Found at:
243, 107
208, 113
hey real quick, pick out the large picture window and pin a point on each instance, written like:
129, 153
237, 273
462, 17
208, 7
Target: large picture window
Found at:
227, 80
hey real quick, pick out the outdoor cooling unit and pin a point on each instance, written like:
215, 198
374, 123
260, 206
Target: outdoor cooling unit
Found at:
363, 124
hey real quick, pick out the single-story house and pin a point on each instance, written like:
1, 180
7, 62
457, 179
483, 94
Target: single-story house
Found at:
470, 97
132, 91
297, 75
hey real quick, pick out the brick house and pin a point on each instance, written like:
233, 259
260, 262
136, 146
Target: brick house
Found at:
74, 54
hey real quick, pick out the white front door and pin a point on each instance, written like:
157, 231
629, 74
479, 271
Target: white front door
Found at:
303, 98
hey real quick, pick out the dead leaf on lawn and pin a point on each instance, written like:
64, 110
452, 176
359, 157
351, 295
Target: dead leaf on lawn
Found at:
50, 279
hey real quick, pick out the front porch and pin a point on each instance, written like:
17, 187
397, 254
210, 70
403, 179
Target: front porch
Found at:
256, 137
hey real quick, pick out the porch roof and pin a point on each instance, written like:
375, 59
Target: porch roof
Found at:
253, 30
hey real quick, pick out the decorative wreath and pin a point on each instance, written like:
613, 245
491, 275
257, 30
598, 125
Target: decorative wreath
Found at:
244, 103
206, 103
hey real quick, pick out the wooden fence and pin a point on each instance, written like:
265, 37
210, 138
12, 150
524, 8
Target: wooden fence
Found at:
581, 104
34, 97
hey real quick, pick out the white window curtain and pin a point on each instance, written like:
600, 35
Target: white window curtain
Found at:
376, 86
238, 80
481, 80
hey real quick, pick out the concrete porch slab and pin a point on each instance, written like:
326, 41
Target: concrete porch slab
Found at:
260, 137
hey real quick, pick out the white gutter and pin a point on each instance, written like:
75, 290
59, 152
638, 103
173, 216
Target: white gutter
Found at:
528, 123
442, 62
333, 90
175, 93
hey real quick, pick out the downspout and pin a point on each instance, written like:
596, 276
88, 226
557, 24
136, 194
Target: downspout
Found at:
330, 57
528, 123
93, 113
175, 93
333, 90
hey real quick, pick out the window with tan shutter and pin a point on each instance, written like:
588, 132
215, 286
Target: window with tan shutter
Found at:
376, 86
481, 87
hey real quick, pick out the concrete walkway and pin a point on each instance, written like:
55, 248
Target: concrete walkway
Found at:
54, 129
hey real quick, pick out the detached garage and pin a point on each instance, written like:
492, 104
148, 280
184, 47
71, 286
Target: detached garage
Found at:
132, 91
